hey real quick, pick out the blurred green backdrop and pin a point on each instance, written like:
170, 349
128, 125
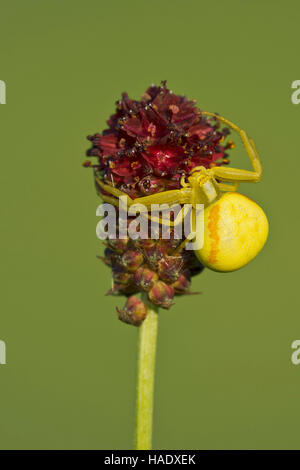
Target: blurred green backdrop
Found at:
224, 373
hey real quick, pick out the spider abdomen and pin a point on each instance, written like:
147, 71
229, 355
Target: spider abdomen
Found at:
235, 230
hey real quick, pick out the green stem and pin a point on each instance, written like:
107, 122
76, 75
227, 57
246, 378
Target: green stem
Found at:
145, 379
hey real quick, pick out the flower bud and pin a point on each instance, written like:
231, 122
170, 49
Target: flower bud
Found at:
182, 284
169, 268
161, 294
169, 245
145, 243
150, 185
134, 312
145, 278
122, 282
111, 258
154, 254
131, 260
122, 277
164, 158
118, 244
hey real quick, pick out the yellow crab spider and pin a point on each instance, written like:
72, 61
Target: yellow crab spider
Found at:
235, 227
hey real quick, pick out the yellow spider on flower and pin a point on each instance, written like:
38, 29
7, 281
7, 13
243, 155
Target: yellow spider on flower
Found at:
235, 227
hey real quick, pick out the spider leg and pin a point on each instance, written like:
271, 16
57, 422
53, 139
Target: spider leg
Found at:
166, 221
228, 186
163, 221
111, 200
109, 189
192, 234
174, 196
234, 174
114, 191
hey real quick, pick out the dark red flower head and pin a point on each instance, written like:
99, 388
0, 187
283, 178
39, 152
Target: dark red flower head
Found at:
151, 143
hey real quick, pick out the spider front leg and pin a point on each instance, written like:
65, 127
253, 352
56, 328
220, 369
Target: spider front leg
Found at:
163, 221
234, 174
143, 204
116, 193
110, 200
174, 196
170, 198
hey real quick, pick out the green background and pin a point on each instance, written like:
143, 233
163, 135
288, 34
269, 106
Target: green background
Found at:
224, 372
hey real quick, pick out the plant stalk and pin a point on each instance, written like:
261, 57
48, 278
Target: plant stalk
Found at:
145, 378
